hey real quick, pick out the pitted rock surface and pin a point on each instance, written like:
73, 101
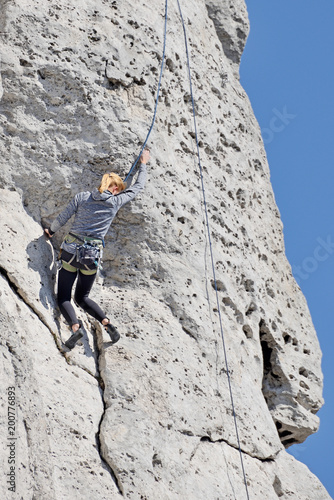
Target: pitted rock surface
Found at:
151, 416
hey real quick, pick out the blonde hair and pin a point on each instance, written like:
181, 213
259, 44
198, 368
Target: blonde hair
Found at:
110, 180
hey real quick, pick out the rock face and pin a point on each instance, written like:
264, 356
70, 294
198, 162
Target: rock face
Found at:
150, 417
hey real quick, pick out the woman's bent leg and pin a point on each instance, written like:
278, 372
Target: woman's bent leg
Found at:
65, 283
84, 286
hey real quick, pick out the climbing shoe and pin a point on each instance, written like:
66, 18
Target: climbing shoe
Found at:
74, 338
113, 333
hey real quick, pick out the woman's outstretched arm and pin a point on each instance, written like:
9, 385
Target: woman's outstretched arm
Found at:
131, 191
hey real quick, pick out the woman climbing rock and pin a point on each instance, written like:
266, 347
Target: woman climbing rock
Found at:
82, 247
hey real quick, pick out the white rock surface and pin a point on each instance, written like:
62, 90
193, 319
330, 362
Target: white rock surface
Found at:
150, 417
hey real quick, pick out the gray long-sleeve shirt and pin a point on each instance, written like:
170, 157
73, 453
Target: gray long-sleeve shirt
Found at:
95, 211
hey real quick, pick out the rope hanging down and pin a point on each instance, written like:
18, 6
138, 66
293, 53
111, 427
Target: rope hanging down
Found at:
205, 208
158, 91
210, 245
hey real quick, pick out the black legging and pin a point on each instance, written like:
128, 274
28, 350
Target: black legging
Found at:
84, 285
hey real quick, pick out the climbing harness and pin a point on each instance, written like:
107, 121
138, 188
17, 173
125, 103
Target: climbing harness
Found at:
158, 92
210, 246
89, 253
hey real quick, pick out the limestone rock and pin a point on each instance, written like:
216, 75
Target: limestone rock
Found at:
150, 417
231, 22
59, 403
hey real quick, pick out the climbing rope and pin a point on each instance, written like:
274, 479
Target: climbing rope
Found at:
211, 249
158, 92
205, 208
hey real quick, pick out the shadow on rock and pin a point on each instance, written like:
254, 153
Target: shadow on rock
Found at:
42, 260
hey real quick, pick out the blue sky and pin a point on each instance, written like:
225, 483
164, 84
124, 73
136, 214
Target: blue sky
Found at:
287, 69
